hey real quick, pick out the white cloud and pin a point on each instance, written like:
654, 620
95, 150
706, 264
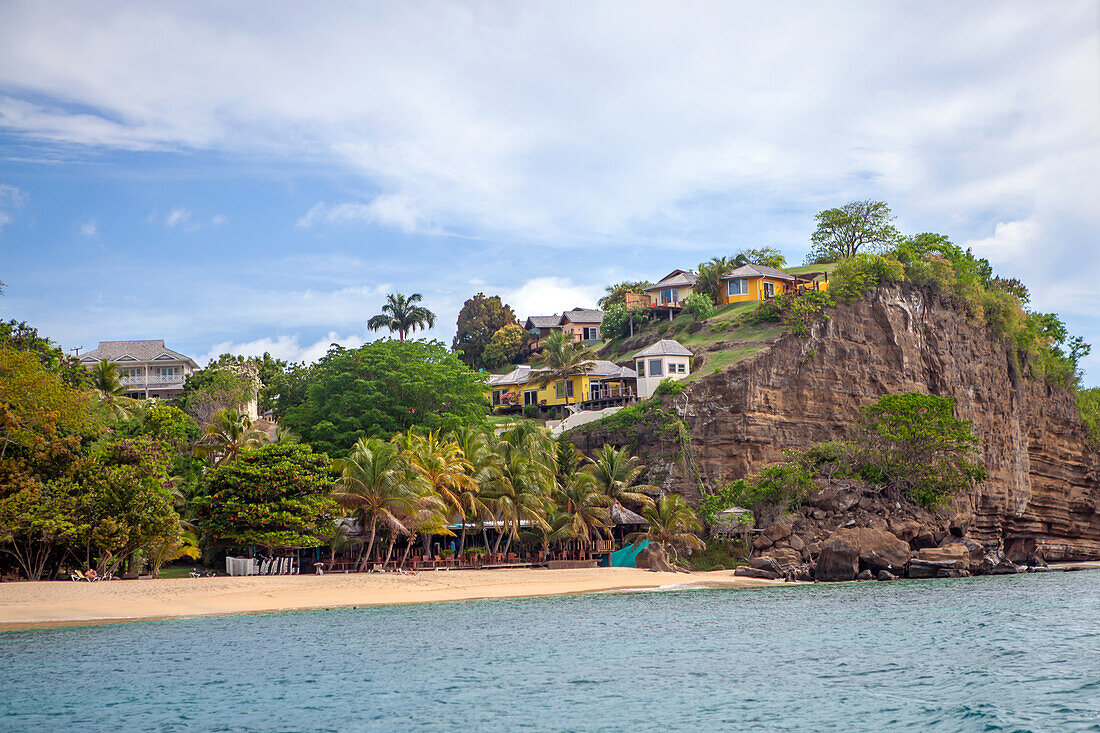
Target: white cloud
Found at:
396, 211
12, 198
88, 228
218, 219
178, 216
283, 347
542, 296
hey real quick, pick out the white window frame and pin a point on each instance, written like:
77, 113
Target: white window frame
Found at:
769, 286
673, 298
563, 389
742, 287
590, 333
528, 399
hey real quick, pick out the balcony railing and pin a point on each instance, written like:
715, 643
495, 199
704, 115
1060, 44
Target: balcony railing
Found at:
153, 379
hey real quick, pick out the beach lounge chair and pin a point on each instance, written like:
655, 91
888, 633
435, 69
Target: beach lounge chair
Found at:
78, 576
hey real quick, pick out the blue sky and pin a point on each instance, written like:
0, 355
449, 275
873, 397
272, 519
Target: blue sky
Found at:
253, 177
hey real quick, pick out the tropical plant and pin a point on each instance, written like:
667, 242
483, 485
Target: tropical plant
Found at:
379, 486
480, 317
112, 392
402, 315
711, 274
858, 226
700, 306
505, 346
484, 469
616, 294
228, 433
446, 471
616, 473
587, 507
672, 524
563, 359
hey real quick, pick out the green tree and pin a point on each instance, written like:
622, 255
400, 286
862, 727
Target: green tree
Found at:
617, 473
700, 306
402, 315
218, 387
23, 337
227, 435
672, 524
587, 507
914, 442
505, 346
619, 322
765, 256
112, 393
563, 359
479, 319
711, 274
37, 521
386, 387
858, 226
275, 496
269, 372
616, 294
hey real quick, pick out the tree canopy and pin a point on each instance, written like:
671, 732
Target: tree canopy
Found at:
481, 317
402, 315
616, 294
858, 226
505, 346
383, 388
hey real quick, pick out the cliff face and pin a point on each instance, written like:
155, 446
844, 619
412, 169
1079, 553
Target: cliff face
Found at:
1043, 491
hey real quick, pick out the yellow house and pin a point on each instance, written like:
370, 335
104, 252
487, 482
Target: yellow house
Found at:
758, 282
606, 382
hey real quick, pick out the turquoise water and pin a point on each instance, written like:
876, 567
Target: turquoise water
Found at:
981, 654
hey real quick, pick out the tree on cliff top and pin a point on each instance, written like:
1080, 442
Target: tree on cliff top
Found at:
858, 226
402, 315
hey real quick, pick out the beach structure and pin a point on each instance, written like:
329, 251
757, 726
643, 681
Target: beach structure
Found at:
666, 359
146, 368
606, 384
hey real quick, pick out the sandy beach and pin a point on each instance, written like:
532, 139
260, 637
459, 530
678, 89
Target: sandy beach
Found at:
56, 603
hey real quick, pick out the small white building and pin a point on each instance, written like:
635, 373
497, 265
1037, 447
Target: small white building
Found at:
664, 359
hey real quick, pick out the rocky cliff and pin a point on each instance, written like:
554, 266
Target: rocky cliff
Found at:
1043, 493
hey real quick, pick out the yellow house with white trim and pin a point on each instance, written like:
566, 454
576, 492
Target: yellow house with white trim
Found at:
606, 382
758, 282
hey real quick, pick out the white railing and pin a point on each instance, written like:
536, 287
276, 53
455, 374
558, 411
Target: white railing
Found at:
154, 379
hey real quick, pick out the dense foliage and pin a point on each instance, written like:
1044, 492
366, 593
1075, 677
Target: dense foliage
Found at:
481, 317
382, 388
275, 496
221, 386
858, 226
700, 306
616, 294
505, 346
20, 336
1088, 402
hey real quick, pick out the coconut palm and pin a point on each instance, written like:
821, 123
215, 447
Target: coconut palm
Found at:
617, 473
484, 469
712, 272
563, 358
582, 500
521, 494
402, 315
671, 524
227, 434
112, 392
443, 467
379, 486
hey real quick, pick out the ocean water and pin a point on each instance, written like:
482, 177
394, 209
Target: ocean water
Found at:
1017, 653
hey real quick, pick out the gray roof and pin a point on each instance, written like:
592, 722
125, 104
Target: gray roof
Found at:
542, 321
621, 515
523, 373
148, 350
758, 271
582, 315
664, 347
520, 375
675, 279
611, 370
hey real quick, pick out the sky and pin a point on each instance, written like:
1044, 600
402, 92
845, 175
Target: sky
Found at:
257, 176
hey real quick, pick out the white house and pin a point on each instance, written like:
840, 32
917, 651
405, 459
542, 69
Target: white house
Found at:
146, 368
666, 359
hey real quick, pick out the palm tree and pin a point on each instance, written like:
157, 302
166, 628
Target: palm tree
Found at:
401, 315
379, 486
672, 525
712, 272
112, 392
616, 473
484, 469
522, 494
563, 359
445, 469
582, 500
227, 434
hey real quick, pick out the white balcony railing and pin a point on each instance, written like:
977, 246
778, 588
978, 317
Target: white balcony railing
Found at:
153, 379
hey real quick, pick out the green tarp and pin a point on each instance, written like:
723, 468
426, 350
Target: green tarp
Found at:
625, 558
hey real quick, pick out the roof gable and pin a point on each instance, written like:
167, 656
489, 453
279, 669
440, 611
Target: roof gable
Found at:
582, 315
758, 271
664, 347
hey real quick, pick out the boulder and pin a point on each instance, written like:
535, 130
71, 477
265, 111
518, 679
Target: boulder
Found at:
762, 542
796, 542
784, 557
924, 539
886, 575
925, 568
849, 550
905, 529
653, 557
780, 530
994, 563
865, 575
751, 572
952, 555
766, 563
952, 573
960, 523
838, 559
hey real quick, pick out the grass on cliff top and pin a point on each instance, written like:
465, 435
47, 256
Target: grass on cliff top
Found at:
716, 361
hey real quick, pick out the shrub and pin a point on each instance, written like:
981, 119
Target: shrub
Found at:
669, 386
769, 494
531, 411
504, 346
1088, 404
797, 311
832, 459
700, 306
856, 276
717, 555
913, 442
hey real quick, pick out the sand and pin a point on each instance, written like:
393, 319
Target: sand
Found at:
65, 603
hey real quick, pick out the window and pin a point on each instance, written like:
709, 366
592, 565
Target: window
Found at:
497, 395
769, 290
641, 367
591, 333
656, 368
739, 286
531, 397
670, 295
681, 368
563, 389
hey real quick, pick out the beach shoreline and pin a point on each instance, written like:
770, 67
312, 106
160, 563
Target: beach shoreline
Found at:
53, 604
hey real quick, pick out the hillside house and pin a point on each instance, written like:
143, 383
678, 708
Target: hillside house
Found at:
582, 324
666, 298
759, 282
539, 327
666, 359
606, 384
145, 368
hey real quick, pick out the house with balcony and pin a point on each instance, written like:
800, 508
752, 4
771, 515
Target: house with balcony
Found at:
539, 327
667, 296
582, 324
666, 359
146, 368
604, 385
758, 282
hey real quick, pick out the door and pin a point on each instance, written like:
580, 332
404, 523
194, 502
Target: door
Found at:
769, 290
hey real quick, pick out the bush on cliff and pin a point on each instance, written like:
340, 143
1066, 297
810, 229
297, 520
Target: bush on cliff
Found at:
769, 494
856, 276
1088, 402
796, 311
913, 442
